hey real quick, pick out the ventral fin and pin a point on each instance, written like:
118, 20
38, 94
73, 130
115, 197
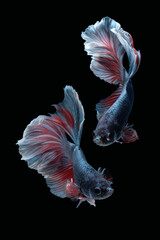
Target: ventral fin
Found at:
91, 201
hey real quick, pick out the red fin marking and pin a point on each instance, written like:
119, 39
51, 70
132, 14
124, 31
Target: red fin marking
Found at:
58, 121
138, 57
67, 115
63, 174
111, 68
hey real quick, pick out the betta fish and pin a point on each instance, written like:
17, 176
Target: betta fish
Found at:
60, 160
107, 43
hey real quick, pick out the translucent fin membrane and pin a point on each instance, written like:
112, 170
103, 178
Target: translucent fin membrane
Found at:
106, 50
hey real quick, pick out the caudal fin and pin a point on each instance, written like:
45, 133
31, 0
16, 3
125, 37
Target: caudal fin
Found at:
106, 50
45, 147
107, 42
134, 56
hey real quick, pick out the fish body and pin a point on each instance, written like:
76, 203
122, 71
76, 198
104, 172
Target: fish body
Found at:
93, 184
107, 42
112, 125
121, 109
45, 148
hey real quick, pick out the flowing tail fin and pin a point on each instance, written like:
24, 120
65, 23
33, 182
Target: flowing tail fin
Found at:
106, 51
107, 42
134, 56
45, 147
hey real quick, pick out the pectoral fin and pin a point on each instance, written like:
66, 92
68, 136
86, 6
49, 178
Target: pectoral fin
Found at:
128, 135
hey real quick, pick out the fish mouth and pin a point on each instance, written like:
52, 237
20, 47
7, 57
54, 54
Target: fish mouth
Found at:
97, 140
107, 195
109, 191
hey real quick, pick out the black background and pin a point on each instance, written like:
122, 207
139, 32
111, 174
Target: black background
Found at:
46, 53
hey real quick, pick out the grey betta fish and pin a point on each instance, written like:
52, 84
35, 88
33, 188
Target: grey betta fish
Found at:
107, 42
46, 148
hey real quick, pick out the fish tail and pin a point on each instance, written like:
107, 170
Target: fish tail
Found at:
107, 42
106, 51
134, 56
45, 146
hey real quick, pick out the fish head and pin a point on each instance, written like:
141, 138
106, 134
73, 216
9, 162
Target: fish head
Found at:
104, 137
101, 189
98, 190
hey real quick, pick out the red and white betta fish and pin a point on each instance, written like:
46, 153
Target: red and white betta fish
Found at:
45, 147
107, 42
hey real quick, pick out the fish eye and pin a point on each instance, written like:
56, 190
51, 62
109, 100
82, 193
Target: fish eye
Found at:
97, 191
